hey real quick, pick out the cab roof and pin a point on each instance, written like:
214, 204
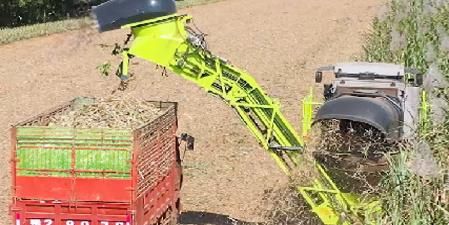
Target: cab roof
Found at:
381, 69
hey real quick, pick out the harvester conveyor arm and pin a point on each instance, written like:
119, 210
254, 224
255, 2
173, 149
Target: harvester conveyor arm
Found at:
171, 43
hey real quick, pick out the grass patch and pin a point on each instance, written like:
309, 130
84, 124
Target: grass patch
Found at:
9, 35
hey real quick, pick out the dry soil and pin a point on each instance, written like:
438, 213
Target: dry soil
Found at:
280, 42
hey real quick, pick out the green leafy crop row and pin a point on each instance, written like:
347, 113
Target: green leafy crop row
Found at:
415, 33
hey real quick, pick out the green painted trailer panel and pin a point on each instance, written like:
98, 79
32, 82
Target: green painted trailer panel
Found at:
65, 152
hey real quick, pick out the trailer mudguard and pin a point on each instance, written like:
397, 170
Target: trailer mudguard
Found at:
375, 111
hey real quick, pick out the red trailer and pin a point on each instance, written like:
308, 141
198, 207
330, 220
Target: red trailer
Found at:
66, 176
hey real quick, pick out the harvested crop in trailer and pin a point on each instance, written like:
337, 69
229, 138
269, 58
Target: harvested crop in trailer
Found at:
126, 112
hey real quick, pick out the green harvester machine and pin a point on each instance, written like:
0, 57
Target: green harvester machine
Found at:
169, 40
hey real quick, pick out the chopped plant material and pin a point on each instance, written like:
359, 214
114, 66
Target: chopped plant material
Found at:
353, 152
285, 208
126, 112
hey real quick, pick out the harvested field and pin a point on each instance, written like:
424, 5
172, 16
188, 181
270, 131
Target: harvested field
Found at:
284, 207
280, 43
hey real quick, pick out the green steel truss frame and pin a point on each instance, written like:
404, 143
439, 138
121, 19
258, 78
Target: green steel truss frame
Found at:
171, 43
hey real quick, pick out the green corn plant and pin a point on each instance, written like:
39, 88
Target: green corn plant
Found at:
415, 33
104, 68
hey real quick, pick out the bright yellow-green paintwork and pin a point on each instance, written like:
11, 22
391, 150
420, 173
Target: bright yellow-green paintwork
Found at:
165, 41
424, 111
307, 113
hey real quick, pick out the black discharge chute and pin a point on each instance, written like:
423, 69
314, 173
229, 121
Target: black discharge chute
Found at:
114, 14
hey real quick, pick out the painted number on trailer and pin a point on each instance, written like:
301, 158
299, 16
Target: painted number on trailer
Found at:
41, 222
72, 222
114, 223
69, 222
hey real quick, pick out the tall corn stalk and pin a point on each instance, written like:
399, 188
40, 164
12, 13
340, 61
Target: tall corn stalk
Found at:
415, 33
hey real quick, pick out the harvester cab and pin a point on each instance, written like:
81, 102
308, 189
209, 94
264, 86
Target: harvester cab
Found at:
384, 96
